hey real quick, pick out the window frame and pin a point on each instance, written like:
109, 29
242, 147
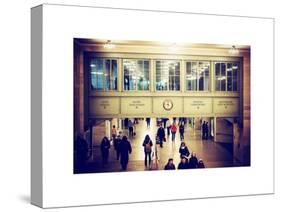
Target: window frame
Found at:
104, 71
155, 75
149, 71
239, 71
197, 78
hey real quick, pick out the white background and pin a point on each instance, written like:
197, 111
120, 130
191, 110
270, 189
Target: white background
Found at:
62, 188
15, 98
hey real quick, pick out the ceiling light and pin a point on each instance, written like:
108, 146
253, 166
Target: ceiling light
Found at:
233, 50
109, 45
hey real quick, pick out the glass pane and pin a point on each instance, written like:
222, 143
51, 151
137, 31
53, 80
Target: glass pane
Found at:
229, 76
146, 75
191, 76
136, 74
188, 68
217, 67
139, 75
177, 68
235, 71
107, 74
223, 77
206, 73
200, 75
171, 83
177, 83
97, 74
166, 73
113, 75
126, 69
171, 69
218, 76
223, 69
132, 83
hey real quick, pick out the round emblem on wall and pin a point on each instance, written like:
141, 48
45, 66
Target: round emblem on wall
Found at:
168, 104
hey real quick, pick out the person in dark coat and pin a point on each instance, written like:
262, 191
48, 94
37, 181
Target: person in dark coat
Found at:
147, 144
206, 131
104, 147
161, 135
170, 165
116, 144
201, 164
125, 150
184, 163
181, 131
203, 130
80, 150
147, 122
131, 128
193, 161
164, 121
183, 150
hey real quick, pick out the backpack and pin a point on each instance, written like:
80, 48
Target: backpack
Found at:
147, 147
173, 128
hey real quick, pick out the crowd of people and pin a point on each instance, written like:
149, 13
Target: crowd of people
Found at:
123, 147
185, 163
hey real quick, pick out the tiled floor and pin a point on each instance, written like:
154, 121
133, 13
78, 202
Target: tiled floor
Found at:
213, 154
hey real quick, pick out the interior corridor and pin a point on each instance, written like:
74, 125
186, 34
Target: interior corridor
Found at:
213, 154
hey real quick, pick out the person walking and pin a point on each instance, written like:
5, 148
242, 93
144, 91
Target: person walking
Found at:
193, 161
174, 131
168, 126
170, 165
147, 144
183, 150
105, 146
131, 128
147, 122
161, 135
116, 143
80, 150
203, 130
206, 131
125, 150
181, 131
113, 133
184, 163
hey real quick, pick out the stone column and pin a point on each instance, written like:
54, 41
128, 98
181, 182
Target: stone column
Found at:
215, 129
107, 128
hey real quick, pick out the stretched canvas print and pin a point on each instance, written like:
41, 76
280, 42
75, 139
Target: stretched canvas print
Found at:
143, 105
135, 96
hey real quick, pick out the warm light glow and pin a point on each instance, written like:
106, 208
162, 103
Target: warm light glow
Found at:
233, 50
109, 45
96, 73
222, 78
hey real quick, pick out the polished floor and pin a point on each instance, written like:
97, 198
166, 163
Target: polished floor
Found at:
212, 153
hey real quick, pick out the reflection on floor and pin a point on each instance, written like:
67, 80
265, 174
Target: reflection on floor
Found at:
213, 154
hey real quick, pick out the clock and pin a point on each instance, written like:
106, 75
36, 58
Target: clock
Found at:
168, 104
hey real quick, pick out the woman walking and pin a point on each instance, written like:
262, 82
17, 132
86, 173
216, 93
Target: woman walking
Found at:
147, 144
183, 150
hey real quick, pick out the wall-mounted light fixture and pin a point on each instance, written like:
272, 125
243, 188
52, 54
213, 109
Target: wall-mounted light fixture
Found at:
109, 45
233, 50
